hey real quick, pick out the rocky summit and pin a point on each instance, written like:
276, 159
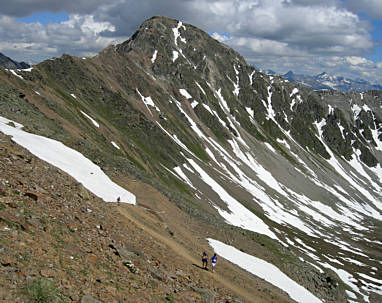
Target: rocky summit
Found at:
283, 182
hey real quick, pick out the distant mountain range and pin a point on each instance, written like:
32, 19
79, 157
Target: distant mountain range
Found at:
8, 63
324, 81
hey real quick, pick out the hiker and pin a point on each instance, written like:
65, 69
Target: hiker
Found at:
119, 200
214, 259
204, 260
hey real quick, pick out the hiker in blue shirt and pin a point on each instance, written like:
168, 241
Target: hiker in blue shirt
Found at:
204, 260
214, 259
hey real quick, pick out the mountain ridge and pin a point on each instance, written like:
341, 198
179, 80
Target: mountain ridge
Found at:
7, 62
194, 121
324, 81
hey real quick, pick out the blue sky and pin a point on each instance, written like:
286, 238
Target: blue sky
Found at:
341, 37
377, 36
45, 17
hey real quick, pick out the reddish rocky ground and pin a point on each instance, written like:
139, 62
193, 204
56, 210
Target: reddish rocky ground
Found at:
51, 228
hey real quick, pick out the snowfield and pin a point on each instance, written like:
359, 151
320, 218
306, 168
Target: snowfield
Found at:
70, 161
264, 270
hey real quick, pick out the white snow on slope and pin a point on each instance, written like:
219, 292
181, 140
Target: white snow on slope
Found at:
7, 121
238, 215
26, 69
264, 270
236, 90
272, 208
148, 101
356, 110
223, 102
275, 210
71, 162
194, 103
175, 55
154, 57
177, 33
201, 88
270, 147
13, 72
337, 166
181, 174
211, 112
271, 113
250, 112
251, 77
95, 123
292, 104
347, 278
175, 139
294, 91
115, 145
377, 288
185, 93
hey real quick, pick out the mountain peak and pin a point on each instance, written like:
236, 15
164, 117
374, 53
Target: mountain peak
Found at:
8, 63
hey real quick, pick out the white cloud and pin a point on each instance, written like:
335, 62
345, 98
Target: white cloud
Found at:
379, 64
88, 25
80, 36
371, 7
353, 60
293, 33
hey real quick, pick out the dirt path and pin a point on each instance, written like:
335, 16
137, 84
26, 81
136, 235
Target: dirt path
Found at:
182, 252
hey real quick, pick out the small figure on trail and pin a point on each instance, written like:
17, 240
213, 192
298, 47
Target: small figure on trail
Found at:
204, 260
118, 200
214, 259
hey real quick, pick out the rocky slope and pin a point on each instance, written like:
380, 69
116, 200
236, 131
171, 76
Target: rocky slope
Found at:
52, 229
276, 170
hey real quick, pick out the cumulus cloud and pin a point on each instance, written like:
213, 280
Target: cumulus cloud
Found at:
295, 33
371, 7
22, 8
80, 36
353, 60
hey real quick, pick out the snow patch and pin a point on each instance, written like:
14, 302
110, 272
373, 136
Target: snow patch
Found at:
201, 88
7, 122
270, 147
95, 123
72, 162
294, 91
148, 101
185, 93
154, 57
251, 77
264, 270
238, 215
115, 144
181, 174
14, 73
194, 103
250, 111
177, 33
175, 55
